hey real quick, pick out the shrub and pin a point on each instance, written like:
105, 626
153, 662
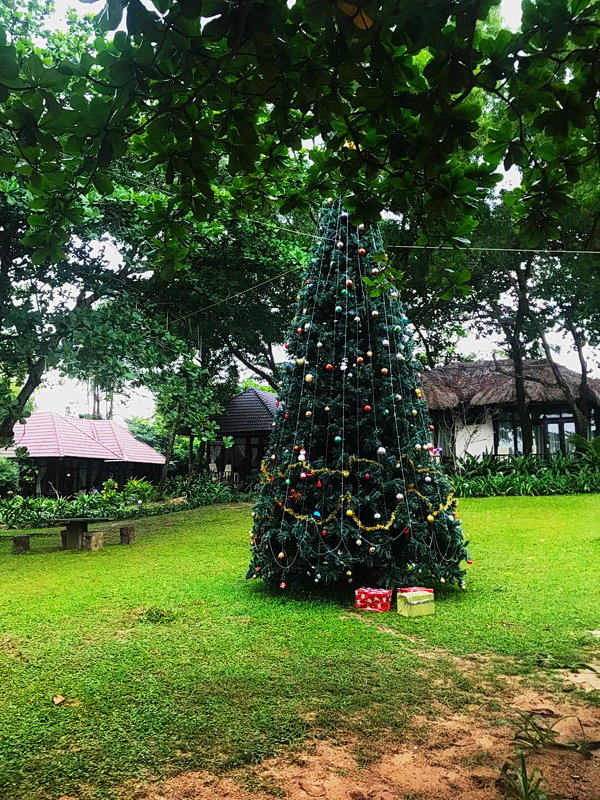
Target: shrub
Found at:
199, 491
525, 476
40, 512
9, 476
139, 489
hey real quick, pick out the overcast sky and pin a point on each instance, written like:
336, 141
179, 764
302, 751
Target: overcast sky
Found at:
66, 396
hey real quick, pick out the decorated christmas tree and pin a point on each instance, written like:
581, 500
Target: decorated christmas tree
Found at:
351, 486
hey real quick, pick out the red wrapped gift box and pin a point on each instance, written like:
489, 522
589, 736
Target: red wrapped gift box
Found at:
373, 599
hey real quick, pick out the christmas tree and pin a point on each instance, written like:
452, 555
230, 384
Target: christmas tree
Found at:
351, 489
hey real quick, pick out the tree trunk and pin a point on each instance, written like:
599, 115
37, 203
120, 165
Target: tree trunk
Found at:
36, 373
517, 355
582, 422
200, 465
247, 363
168, 456
110, 405
583, 401
96, 401
425, 342
191, 455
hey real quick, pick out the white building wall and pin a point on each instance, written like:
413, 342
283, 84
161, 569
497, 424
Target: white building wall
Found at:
477, 439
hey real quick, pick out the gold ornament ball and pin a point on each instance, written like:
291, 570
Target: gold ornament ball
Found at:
308, 414
414, 412
281, 555
348, 572
300, 361
273, 457
349, 513
369, 353
371, 549
327, 409
359, 542
309, 378
384, 371
430, 518
418, 447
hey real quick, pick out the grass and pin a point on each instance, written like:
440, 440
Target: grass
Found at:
169, 660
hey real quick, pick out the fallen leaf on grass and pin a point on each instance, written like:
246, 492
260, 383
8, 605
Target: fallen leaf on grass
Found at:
58, 699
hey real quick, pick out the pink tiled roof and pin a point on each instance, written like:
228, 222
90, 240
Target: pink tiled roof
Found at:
120, 441
48, 435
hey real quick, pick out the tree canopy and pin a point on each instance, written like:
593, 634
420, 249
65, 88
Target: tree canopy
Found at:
385, 102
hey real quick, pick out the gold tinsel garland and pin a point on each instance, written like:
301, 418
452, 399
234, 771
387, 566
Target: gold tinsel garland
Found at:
347, 497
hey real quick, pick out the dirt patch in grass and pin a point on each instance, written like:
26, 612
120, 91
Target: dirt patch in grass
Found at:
587, 679
441, 758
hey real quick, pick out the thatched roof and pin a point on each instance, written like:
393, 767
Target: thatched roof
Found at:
492, 383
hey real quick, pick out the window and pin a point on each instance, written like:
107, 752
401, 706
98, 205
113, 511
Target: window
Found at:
552, 430
506, 439
508, 435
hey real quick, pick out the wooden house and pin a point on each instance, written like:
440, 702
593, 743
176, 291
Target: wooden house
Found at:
72, 454
248, 421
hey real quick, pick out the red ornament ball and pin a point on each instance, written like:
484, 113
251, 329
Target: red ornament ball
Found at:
368, 475
328, 367
349, 282
367, 408
362, 251
384, 371
319, 484
323, 532
282, 585
432, 427
298, 330
359, 360
406, 531
470, 561
286, 416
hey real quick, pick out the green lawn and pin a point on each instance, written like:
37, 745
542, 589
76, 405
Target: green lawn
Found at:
170, 660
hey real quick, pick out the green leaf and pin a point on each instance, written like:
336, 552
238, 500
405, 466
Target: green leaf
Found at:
8, 63
7, 164
103, 183
110, 16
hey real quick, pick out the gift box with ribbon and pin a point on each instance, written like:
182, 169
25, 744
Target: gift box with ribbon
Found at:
368, 599
416, 601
